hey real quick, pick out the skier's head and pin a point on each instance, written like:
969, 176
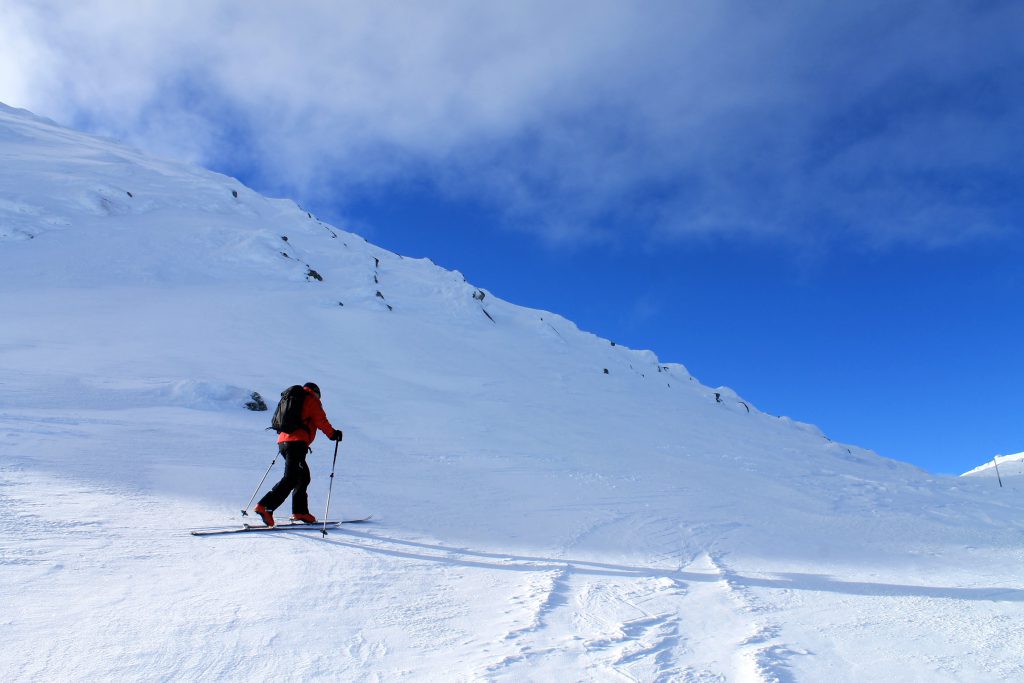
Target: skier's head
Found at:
312, 387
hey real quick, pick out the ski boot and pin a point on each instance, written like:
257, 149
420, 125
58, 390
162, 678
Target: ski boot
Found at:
266, 515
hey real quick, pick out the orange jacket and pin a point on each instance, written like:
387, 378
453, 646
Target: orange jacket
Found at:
313, 417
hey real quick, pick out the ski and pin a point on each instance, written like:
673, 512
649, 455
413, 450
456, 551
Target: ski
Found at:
282, 526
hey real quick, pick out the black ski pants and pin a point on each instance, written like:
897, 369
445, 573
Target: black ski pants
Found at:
296, 478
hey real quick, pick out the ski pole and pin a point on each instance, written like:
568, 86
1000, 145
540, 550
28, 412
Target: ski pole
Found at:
995, 461
330, 487
245, 512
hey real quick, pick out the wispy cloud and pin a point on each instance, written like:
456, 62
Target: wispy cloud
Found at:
875, 122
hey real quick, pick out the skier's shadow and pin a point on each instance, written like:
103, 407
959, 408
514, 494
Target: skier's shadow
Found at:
464, 557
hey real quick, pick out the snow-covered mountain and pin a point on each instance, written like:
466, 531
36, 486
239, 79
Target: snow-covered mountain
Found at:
548, 506
1010, 466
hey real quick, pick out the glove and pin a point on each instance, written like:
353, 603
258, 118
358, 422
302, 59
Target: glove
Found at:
336, 436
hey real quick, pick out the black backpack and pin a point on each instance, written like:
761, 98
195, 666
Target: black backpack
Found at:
288, 416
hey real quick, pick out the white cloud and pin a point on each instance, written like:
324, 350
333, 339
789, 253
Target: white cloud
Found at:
22, 56
578, 118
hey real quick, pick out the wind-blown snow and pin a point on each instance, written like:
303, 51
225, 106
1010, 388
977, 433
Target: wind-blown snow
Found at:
547, 506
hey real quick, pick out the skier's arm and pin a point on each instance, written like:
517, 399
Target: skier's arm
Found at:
321, 422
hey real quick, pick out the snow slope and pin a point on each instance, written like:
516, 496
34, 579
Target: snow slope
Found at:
548, 506
1010, 470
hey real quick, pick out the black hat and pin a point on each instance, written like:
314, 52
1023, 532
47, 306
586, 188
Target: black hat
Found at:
312, 387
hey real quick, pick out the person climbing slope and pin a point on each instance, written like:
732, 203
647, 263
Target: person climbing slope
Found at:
296, 432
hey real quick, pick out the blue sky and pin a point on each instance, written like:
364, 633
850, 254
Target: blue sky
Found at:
817, 204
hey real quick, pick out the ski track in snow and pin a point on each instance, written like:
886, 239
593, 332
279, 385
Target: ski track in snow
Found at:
614, 622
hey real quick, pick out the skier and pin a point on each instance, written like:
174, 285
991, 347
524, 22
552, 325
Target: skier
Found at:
293, 447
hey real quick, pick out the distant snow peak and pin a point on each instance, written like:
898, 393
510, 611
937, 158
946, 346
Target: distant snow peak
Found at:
1008, 465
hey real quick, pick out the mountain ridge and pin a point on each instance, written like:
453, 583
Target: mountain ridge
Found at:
547, 505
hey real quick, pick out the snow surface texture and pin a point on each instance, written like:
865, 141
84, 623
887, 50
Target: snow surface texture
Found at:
548, 506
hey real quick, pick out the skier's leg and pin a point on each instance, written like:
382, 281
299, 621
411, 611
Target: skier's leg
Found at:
290, 478
300, 500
